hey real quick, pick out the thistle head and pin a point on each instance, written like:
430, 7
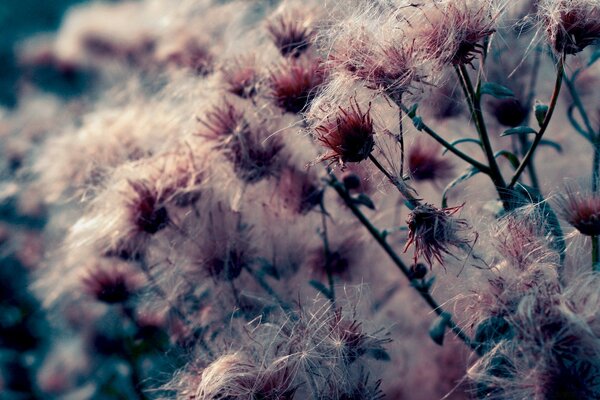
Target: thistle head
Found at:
581, 210
571, 25
294, 83
433, 231
349, 137
291, 32
453, 32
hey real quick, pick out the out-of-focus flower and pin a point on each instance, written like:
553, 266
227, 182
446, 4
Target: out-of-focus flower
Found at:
111, 284
426, 162
349, 137
291, 32
241, 76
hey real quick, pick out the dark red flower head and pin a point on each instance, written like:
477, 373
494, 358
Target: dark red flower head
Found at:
146, 209
295, 83
350, 137
572, 26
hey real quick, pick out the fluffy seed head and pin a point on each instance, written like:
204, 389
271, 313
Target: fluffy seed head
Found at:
433, 231
571, 25
452, 31
350, 137
581, 210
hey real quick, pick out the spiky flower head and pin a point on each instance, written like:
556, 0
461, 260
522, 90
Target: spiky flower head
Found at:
452, 32
241, 76
291, 32
581, 210
433, 231
571, 25
294, 83
350, 137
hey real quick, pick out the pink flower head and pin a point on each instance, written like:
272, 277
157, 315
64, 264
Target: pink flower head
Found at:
581, 210
350, 137
433, 231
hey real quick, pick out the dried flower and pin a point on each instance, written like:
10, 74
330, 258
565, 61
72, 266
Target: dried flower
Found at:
290, 32
452, 31
295, 83
390, 68
433, 231
571, 25
350, 137
581, 210
426, 162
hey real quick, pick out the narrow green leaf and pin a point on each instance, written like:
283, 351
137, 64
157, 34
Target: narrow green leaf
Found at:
438, 328
364, 200
496, 90
513, 159
519, 130
469, 172
594, 57
463, 140
556, 146
412, 111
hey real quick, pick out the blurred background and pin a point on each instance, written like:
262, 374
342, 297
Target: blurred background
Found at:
20, 19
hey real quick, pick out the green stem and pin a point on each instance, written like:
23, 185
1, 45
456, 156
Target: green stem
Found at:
327, 250
381, 240
538, 137
477, 115
447, 145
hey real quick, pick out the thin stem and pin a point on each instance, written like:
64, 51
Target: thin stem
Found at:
327, 250
380, 239
401, 130
410, 200
477, 115
524, 139
578, 104
451, 148
538, 137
